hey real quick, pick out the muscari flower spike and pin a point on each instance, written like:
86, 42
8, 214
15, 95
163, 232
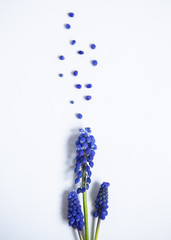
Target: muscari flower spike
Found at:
101, 203
75, 215
85, 148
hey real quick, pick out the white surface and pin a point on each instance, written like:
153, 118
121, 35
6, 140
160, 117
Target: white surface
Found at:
130, 115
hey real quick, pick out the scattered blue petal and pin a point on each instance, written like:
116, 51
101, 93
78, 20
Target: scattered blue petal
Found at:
79, 115
71, 14
89, 85
73, 42
78, 86
88, 97
67, 26
61, 57
80, 52
75, 73
94, 62
93, 46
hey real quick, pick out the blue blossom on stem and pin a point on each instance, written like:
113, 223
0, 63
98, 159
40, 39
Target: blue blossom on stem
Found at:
85, 148
75, 215
101, 203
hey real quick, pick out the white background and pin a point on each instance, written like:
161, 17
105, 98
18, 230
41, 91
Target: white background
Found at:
130, 115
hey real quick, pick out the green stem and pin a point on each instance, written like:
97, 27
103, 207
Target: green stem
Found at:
97, 229
80, 235
84, 184
85, 215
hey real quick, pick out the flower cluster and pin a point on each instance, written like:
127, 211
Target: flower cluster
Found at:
102, 201
85, 148
75, 215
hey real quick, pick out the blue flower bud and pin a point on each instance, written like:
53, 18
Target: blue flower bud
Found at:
89, 180
91, 164
87, 129
85, 145
82, 140
78, 164
83, 160
77, 180
79, 174
88, 151
81, 130
87, 168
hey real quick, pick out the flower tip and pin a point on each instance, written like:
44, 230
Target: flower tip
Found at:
88, 129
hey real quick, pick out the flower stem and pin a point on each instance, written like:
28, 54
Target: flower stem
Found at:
84, 184
97, 229
85, 215
80, 235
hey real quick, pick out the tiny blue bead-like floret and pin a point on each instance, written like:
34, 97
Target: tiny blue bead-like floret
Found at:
61, 57
75, 215
75, 73
89, 85
88, 97
80, 52
78, 86
94, 62
67, 26
61, 75
71, 14
93, 46
101, 203
85, 148
73, 42
79, 115
72, 102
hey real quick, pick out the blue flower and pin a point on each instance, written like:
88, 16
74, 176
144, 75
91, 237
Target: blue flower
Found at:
85, 149
101, 203
75, 215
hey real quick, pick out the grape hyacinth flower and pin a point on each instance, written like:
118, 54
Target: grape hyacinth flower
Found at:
75, 215
101, 205
85, 148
